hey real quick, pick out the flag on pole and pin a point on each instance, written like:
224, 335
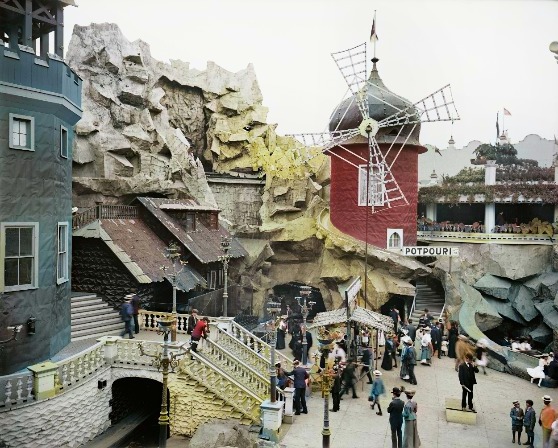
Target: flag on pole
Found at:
373, 35
506, 111
497, 125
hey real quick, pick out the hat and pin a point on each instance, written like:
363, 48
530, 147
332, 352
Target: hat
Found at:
441, 320
194, 310
377, 373
396, 391
128, 296
427, 328
407, 340
410, 393
463, 337
544, 355
516, 402
296, 362
547, 398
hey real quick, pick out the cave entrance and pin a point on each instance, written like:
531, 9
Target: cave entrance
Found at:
287, 294
136, 405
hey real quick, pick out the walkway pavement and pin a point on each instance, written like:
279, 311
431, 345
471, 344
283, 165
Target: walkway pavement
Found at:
356, 425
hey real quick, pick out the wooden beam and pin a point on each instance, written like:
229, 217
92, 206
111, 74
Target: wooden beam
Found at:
59, 32
4, 5
27, 35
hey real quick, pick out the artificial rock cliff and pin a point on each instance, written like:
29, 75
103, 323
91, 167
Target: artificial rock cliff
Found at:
151, 128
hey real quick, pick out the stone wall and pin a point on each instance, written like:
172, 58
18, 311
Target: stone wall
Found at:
67, 420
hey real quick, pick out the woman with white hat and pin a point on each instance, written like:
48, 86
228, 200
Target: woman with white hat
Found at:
411, 438
537, 373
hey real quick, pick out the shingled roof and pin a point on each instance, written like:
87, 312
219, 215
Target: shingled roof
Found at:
140, 250
203, 243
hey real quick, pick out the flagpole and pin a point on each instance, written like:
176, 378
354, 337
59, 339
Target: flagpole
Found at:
503, 122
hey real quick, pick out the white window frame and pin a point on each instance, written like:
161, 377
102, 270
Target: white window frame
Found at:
376, 186
212, 279
35, 275
62, 254
64, 139
30, 146
391, 233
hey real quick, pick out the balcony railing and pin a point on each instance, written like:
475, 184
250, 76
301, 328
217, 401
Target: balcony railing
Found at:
482, 238
104, 212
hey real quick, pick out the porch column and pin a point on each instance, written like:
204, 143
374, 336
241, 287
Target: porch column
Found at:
489, 208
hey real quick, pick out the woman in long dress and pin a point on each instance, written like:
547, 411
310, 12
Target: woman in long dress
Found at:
452, 339
537, 373
411, 437
387, 361
281, 330
404, 372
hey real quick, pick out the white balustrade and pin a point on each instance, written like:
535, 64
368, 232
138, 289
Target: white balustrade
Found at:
77, 367
17, 388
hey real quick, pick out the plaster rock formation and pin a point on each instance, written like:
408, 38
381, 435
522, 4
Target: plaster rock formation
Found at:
154, 128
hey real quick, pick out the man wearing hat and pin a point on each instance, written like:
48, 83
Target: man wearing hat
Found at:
467, 380
126, 313
546, 418
395, 410
410, 359
300, 375
516, 415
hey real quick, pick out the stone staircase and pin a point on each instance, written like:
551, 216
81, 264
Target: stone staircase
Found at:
92, 318
426, 297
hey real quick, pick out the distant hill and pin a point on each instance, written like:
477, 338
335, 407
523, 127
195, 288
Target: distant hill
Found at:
453, 160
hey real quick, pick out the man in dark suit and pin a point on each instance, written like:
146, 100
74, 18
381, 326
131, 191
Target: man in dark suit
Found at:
436, 335
395, 410
467, 380
300, 375
411, 330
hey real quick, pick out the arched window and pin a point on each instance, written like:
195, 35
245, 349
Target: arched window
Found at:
394, 238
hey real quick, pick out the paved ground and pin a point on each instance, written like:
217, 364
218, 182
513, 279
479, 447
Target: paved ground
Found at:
356, 425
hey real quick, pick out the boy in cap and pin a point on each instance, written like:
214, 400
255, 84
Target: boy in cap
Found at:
126, 313
546, 418
517, 415
529, 423
395, 410
376, 390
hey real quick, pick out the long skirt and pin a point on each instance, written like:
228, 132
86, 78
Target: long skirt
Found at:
425, 354
280, 342
418, 349
411, 437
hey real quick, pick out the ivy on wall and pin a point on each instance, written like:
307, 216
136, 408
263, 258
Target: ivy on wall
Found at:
505, 173
546, 193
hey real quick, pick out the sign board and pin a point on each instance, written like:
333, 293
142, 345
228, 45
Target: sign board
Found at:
430, 251
352, 291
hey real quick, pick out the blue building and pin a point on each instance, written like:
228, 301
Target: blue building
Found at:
40, 102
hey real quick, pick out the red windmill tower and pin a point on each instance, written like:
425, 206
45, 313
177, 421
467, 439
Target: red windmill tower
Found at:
373, 139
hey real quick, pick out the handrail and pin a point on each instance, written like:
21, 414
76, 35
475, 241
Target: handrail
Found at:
413, 304
474, 237
89, 215
258, 345
17, 389
79, 366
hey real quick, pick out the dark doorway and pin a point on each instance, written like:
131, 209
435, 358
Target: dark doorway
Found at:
525, 213
460, 213
287, 294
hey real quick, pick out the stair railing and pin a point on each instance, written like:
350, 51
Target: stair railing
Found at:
413, 304
259, 346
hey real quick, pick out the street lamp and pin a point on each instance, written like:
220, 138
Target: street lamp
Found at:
327, 373
273, 308
163, 360
305, 292
173, 254
225, 245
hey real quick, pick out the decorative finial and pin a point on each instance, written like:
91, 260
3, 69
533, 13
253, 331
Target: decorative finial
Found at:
374, 36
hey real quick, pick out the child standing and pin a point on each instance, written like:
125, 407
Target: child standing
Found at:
517, 415
529, 422
376, 390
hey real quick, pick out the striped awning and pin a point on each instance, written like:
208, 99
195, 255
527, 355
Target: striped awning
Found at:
362, 316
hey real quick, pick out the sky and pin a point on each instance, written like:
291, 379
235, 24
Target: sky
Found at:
494, 53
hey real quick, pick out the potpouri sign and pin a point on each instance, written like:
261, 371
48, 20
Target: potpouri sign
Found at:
430, 251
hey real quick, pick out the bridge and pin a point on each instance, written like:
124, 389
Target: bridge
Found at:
228, 378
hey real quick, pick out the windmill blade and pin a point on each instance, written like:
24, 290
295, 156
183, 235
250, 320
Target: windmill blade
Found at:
353, 65
438, 106
326, 140
384, 192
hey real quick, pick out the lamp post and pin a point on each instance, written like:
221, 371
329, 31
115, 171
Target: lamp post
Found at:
225, 245
173, 253
326, 375
305, 292
163, 360
273, 308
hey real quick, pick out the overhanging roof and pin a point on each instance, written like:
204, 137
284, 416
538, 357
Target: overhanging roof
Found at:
362, 316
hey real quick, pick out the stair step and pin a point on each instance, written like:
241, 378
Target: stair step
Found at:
91, 307
80, 325
85, 303
82, 297
99, 319
93, 312
101, 331
96, 335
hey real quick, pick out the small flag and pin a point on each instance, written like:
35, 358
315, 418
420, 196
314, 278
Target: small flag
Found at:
373, 35
497, 126
506, 111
